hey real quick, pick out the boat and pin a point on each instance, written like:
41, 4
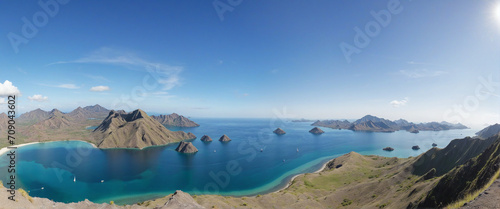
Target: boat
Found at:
283, 160
297, 149
215, 150
102, 181
74, 179
261, 150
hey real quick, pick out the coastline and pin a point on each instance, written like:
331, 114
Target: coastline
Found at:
297, 175
6, 149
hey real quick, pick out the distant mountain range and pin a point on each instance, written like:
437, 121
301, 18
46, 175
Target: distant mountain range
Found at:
376, 124
39, 125
175, 120
134, 130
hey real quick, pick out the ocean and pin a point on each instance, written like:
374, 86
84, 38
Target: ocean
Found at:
256, 161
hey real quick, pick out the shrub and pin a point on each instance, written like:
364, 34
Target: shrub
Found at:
346, 202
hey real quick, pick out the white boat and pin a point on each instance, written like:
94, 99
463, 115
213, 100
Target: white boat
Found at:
102, 181
74, 179
297, 149
261, 150
215, 150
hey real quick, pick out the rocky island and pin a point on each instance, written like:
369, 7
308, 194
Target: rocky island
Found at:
316, 131
388, 149
224, 138
206, 138
416, 147
134, 130
279, 131
186, 147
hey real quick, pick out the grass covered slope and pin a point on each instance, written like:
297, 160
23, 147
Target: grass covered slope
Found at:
349, 181
466, 181
458, 152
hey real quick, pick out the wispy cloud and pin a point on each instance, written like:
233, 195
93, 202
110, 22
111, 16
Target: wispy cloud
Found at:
399, 103
166, 75
100, 88
421, 73
97, 78
38, 98
68, 86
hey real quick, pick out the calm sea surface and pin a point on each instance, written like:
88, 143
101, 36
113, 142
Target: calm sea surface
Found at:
72, 171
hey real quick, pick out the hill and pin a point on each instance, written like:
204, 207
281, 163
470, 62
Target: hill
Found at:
33, 116
466, 181
175, 120
458, 152
489, 131
134, 130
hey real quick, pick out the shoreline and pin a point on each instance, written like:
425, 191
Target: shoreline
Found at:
297, 175
6, 149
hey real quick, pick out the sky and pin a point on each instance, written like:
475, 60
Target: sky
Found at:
418, 60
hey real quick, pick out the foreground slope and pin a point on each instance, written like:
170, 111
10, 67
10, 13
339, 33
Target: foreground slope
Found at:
134, 130
466, 180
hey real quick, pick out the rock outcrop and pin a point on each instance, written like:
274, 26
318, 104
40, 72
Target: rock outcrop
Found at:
206, 138
316, 130
279, 131
224, 138
186, 147
175, 120
134, 130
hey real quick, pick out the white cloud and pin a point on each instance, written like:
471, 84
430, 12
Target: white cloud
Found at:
399, 103
420, 73
38, 98
68, 86
3, 100
7, 89
100, 88
164, 74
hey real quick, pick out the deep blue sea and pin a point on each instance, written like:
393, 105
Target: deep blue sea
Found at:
71, 171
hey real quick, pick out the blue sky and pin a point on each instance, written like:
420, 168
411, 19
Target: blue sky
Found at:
260, 58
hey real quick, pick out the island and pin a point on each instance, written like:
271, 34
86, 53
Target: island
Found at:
316, 131
186, 147
134, 130
224, 138
388, 149
375, 124
279, 131
416, 147
206, 138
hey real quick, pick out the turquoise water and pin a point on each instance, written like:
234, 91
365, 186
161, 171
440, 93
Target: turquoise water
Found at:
72, 171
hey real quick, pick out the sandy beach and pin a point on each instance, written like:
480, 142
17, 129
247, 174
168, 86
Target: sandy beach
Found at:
6, 149
293, 178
